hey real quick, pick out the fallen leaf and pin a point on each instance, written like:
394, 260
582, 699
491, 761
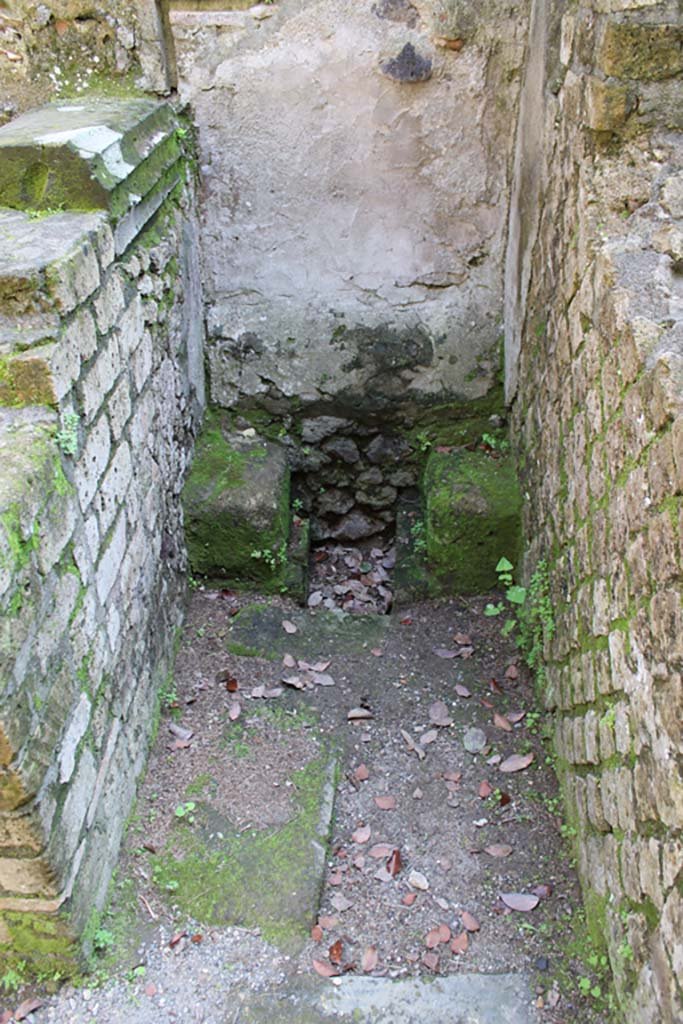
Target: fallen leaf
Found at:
440, 902
258, 692
180, 732
322, 679
463, 639
325, 921
289, 661
317, 933
361, 773
176, 939
315, 599
438, 714
444, 933
394, 863
382, 874
407, 621
523, 901
495, 686
335, 878
359, 861
429, 737
485, 789
494, 759
498, 850
335, 952
324, 970
196, 938
379, 851
369, 959
432, 938
501, 722
474, 740
320, 666
462, 691
511, 672
377, 652
469, 921
7, 1017
452, 776
466, 652
460, 943
361, 835
386, 803
543, 891
231, 685
234, 711
289, 627
431, 961
150, 989
418, 881
516, 763
515, 716
412, 745
28, 1006
340, 902
359, 714
486, 703
179, 745
296, 682
444, 652
274, 691
409, 899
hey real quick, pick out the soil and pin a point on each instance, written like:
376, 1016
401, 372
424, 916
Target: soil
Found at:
453, 814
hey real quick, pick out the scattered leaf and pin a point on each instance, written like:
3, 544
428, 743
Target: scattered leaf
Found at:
328, 922
379, 851
359, 714
196, 938
469, 921
511, 672
386, 803
377, 652
515, 716
428, 737
234, 711
516, 763
485, 789
409, 899
523, 901
180, 732
361, 835
325, 970
498, 850
432, 938
444, 933
340, 902
320, 666
417, 793
495, 686
289, 661
317, 933
231, 685
505, 799
486, 703
315, 599
474, 740
444, 652
361, 773
452, 776
296, 682
431, 961
335, 952
394, 863
418, 881
359, 861
289, 627
274, 691
150, 989
543, 891
369, 959
336, 878
176, 939
407, 621
463, 639
460, 943
466, 652
438, 714
462, 691
501, 722
412, 745
322, 679
28, 1006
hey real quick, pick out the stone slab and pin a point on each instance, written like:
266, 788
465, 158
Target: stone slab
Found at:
258, 631
458, 999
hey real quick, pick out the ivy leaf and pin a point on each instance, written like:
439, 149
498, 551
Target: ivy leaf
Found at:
504, 566
516, 595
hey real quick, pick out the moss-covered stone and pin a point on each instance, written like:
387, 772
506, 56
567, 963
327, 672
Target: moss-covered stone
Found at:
26, 380
472, 519
38, 945
236, 503
258, 630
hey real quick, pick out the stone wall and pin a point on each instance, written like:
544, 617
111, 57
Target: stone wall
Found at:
355, 165
595, 372
101, 389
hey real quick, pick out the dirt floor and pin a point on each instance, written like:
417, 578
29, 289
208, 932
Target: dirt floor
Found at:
445, 853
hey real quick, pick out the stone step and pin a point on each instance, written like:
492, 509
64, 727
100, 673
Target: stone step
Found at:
457, 999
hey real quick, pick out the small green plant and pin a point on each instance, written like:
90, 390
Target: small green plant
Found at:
185, 810
533, 613
273, 559
102, 940
424, 441
297, 505
14, 977
135, 973
418, 533
496, 443
67, 436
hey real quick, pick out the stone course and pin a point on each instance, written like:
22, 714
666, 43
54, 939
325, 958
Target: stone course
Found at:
93, 454
598, 414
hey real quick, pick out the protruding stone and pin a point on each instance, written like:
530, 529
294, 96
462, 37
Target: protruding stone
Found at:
408, 66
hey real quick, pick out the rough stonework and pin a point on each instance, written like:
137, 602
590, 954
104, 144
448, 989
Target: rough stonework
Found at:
594, 274
101, 389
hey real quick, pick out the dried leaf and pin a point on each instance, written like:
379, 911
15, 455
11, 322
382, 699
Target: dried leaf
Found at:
466, 652
428, 737
460, 943
463, 639
289, 627
452, 776
515, 716
469, 921
495, 686
438, 714
296, 682
412, 745
498, 850
516, 763
418, 881
258, 692
196, 938
409, 899
485, 789
501, 722
431, 961
325, 970
180, 732
377, 652
382, 875
359, 714
335, 952
361, 773
359, 861
317, 933
231, 685
150, 989
523, 901
394, 863
511, 672
543, 891
407, 621
234, 711
444, 652
274, 691
340, 902
361, 835
321, 666
335, 878
28, 1006
176, 939
369, 959
379, 851
462, 691
386, 803
289, 661
432, 938
315, 599
474, 740
322, 679
486, 703
328, 922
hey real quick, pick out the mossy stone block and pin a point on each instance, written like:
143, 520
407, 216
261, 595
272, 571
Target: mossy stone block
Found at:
472, 519
236, 503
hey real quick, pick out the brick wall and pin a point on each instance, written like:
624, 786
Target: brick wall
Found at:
597, 396
101, 388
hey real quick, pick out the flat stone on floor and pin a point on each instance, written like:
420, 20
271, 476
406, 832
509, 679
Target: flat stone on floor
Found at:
458, 999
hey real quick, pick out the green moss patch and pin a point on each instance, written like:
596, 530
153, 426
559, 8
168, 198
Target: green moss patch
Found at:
472, 519
38, 945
